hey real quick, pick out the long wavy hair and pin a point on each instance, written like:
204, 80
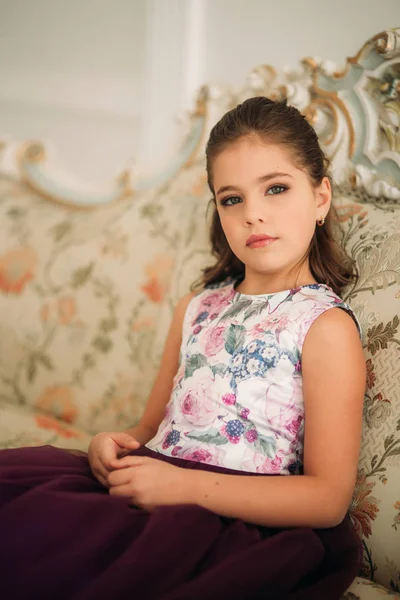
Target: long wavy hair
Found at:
284, 125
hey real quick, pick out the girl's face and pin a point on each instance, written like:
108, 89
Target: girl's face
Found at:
258, 190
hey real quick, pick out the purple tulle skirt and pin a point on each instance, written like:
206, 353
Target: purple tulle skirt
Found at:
63, 537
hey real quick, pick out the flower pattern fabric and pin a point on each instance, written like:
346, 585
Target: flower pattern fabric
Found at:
237, 396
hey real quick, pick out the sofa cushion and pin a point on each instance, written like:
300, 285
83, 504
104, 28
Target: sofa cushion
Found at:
370, 232
364, 589
81, 293
23, 426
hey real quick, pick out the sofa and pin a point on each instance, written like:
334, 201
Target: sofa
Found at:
89, 277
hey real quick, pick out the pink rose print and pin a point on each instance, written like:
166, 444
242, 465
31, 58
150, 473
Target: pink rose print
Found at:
197, 405
197, 454
259, 463
214, 341
167, 412
197, 329
214, 303
229, 399
272, 323
210, 455
272, 466
293, 426
295, 290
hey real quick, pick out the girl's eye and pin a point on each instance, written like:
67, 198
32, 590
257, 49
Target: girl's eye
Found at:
279, 187
226, 201
235, 199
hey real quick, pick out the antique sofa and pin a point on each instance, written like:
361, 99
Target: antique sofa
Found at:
89, 278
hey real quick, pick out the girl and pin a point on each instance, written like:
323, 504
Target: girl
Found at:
237, 480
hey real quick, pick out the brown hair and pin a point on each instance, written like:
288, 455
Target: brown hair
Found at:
278, 123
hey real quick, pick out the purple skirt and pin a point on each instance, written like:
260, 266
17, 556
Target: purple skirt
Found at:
63, 537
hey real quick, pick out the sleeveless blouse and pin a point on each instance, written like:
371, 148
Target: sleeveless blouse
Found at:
237, 399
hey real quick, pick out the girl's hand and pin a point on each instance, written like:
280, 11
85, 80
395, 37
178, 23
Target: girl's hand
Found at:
149, 482
106, 447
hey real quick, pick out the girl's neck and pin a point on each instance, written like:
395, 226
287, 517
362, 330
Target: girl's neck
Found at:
256, 285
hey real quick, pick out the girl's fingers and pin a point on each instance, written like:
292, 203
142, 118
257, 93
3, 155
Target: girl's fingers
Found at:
108, 459
125, 440
121, 490
120, 477
127, 461
101, 472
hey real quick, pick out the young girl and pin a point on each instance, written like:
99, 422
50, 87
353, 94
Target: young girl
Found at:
237, 480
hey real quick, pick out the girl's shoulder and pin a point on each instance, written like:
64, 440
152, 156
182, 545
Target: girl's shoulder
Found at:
324, 297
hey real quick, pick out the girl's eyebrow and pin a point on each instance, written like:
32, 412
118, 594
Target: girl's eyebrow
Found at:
230, 188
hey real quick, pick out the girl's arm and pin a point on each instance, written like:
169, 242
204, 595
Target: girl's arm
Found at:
160, 394
334, 378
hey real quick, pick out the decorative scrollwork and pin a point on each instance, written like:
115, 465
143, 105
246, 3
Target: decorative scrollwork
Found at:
355, 111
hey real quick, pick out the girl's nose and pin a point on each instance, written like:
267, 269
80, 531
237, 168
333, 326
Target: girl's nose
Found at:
253, 214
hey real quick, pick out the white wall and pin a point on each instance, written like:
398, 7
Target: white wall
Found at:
103, 79
71, 72
244, 33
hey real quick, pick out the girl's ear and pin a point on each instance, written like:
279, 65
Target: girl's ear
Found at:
323, 197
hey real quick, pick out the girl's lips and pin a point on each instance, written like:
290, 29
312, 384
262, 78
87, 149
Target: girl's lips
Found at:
265, 242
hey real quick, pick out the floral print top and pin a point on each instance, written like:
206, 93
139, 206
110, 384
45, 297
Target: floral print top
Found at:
237, 397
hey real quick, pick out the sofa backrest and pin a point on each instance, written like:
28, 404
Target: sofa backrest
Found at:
82, 291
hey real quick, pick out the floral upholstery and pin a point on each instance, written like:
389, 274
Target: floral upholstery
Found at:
21, 426
81, 294
365, 589
370, 234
